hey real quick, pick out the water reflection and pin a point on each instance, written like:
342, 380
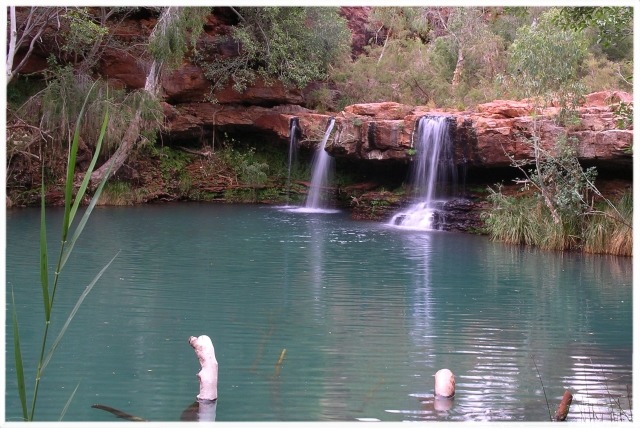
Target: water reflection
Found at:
316, 317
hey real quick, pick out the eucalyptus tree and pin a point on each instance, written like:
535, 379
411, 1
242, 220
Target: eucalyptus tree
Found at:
25, 32
295, 45
545, 63
613, 26
176, 31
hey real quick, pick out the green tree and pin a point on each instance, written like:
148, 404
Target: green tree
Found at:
613, 26
168, 44
295, 45
545, 63
545, 60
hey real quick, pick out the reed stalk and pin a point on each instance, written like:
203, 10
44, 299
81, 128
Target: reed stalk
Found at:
71, 205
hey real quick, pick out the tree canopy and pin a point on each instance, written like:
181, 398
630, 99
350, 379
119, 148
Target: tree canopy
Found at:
295, 45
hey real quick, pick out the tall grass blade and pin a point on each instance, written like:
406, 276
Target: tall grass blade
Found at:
22, 389
71, 167
44, 261
66, 406
84, 294
69, 247
87, 176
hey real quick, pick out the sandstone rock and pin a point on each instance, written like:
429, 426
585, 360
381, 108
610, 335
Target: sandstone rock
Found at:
260, 93
505, 109
386, 110
186, 84
487, 137
606, 98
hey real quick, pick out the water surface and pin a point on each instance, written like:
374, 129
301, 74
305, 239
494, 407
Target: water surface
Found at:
364, 313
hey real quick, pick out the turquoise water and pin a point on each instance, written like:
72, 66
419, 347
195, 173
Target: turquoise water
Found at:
364, 313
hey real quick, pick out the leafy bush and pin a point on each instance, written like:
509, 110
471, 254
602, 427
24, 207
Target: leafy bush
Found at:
546, 60
295, 45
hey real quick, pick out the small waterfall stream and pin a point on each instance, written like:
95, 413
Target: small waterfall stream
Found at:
293, 149
320, 173
433, 167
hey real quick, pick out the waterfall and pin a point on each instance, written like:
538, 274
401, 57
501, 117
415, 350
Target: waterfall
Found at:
433, 168
320, 169
293, 148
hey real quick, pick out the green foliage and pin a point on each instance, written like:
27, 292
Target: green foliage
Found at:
292, 44
83, 32
560, 178
414, 69
613, 26
602, 74
322, 100
119, 193
56, 108
177, 31
21, 89
624, 115
401, 73
249, 170
526, 220
513, 220
545, 60
400, 22
253, 173
171, 161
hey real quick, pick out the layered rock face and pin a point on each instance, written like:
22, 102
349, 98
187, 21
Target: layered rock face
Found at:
486, 137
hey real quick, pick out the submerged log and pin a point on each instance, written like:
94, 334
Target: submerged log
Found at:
119, 413
208, 373
563, 407
204, 408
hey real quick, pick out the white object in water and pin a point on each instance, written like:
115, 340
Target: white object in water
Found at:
445, 384
208, 373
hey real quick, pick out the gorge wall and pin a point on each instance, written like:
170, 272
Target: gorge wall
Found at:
485, 137
382, 132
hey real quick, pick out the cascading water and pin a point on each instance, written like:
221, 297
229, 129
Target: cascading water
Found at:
293, 148
433, 167
320, 168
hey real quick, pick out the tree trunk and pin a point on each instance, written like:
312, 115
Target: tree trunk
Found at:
13, 37
121, 154
36, 22
457, 73
132, 134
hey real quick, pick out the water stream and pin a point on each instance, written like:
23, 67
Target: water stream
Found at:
321, 168
432, 170
293, 149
